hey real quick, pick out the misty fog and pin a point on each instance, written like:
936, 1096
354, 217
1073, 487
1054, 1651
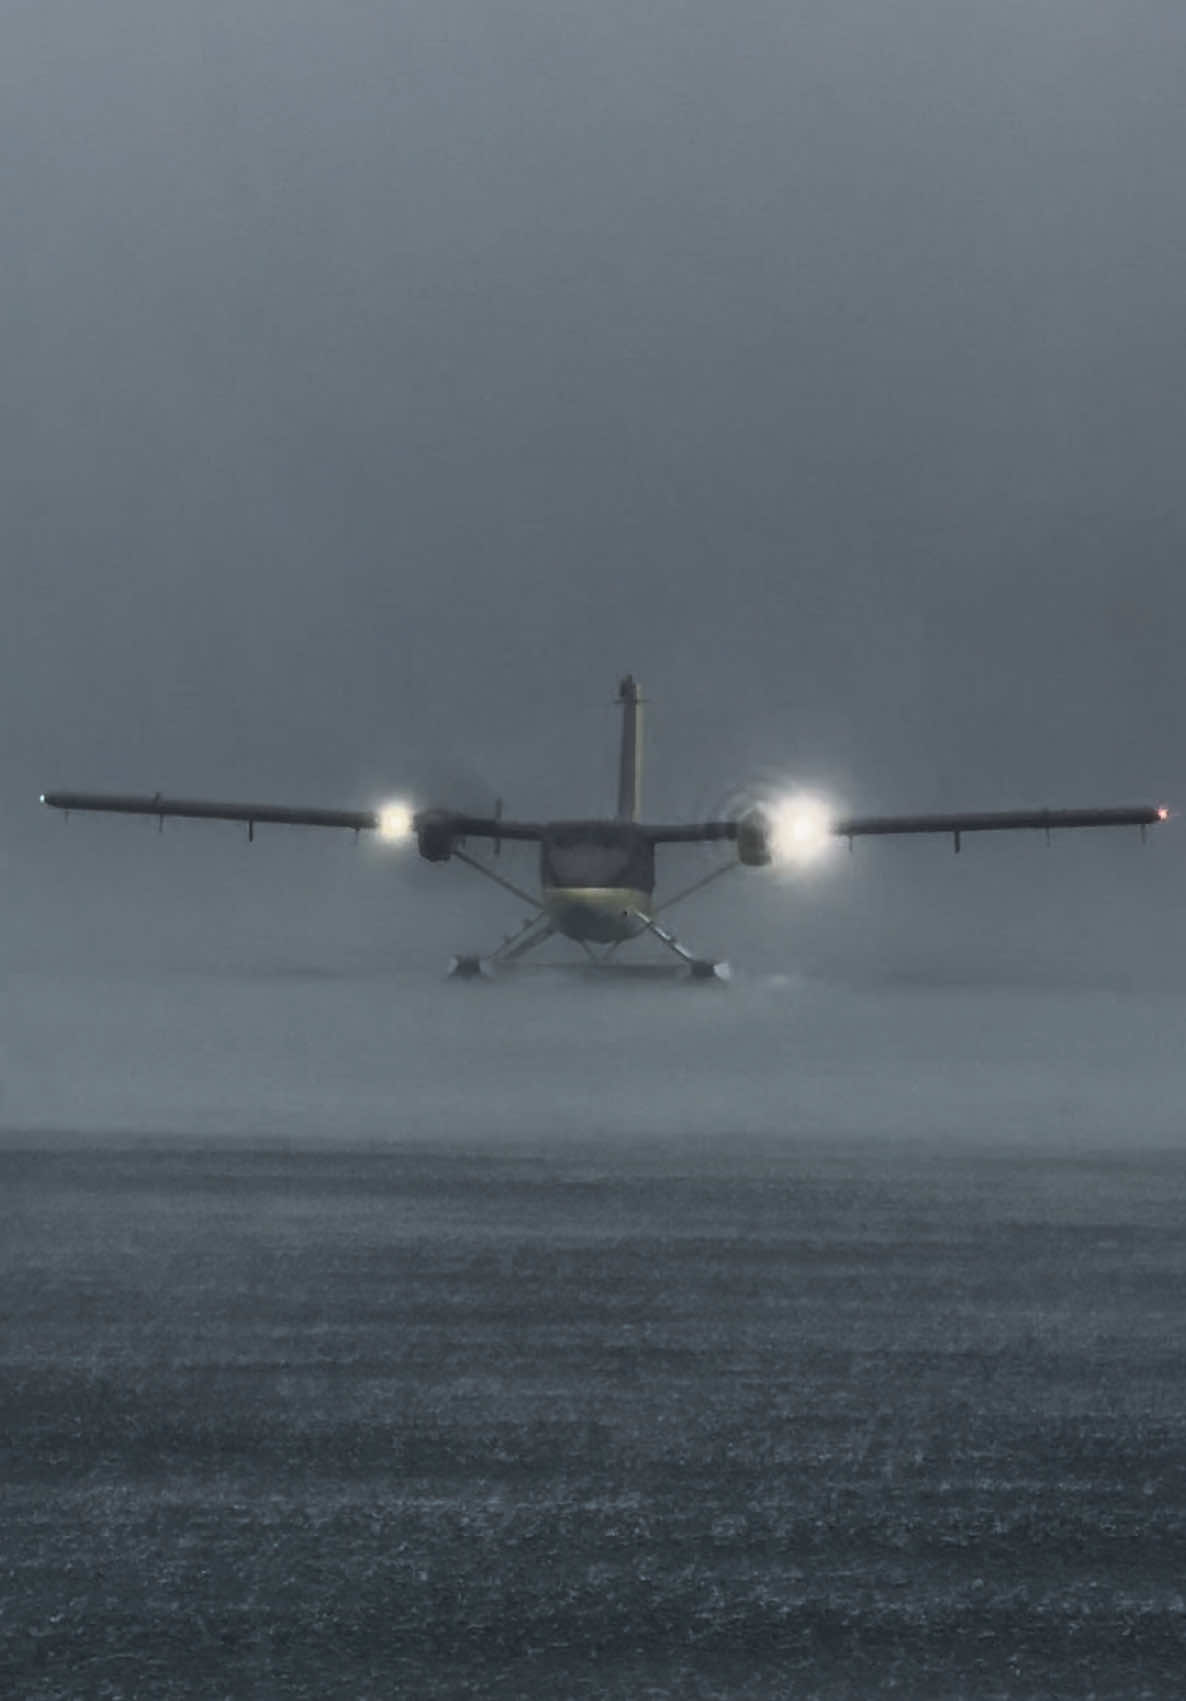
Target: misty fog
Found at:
383, 381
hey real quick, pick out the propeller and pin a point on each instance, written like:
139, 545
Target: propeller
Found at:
449, 781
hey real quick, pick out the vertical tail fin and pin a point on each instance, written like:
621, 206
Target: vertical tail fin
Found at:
630, 759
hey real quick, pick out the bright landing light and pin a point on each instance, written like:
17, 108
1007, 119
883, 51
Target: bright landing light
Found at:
395, 822
800, 830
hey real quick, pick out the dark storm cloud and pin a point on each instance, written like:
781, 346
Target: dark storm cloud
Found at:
380, 381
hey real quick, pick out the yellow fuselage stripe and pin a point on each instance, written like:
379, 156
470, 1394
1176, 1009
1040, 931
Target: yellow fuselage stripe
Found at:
608, 899
598, 913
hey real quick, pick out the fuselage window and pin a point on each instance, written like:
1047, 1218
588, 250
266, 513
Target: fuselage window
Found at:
589, 858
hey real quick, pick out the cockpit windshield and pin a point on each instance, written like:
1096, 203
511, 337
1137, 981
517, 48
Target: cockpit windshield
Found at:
598, 853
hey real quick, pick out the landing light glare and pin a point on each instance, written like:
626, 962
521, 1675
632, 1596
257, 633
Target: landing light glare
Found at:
801, 830
395, 822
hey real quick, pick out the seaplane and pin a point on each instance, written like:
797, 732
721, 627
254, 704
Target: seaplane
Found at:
597, 876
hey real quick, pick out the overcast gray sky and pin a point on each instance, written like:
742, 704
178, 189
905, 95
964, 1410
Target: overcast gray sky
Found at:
381, 380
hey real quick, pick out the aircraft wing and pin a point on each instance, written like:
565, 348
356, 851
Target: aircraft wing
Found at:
851, 827
451, 823
996, 821
691, 832
117, 803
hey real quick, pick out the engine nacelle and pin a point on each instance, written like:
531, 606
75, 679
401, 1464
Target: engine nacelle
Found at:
753, 839
435, 834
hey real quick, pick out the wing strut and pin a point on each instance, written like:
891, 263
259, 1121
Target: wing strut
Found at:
696, 886
498, 879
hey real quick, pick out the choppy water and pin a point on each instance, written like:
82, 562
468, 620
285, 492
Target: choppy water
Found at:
715, 1418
